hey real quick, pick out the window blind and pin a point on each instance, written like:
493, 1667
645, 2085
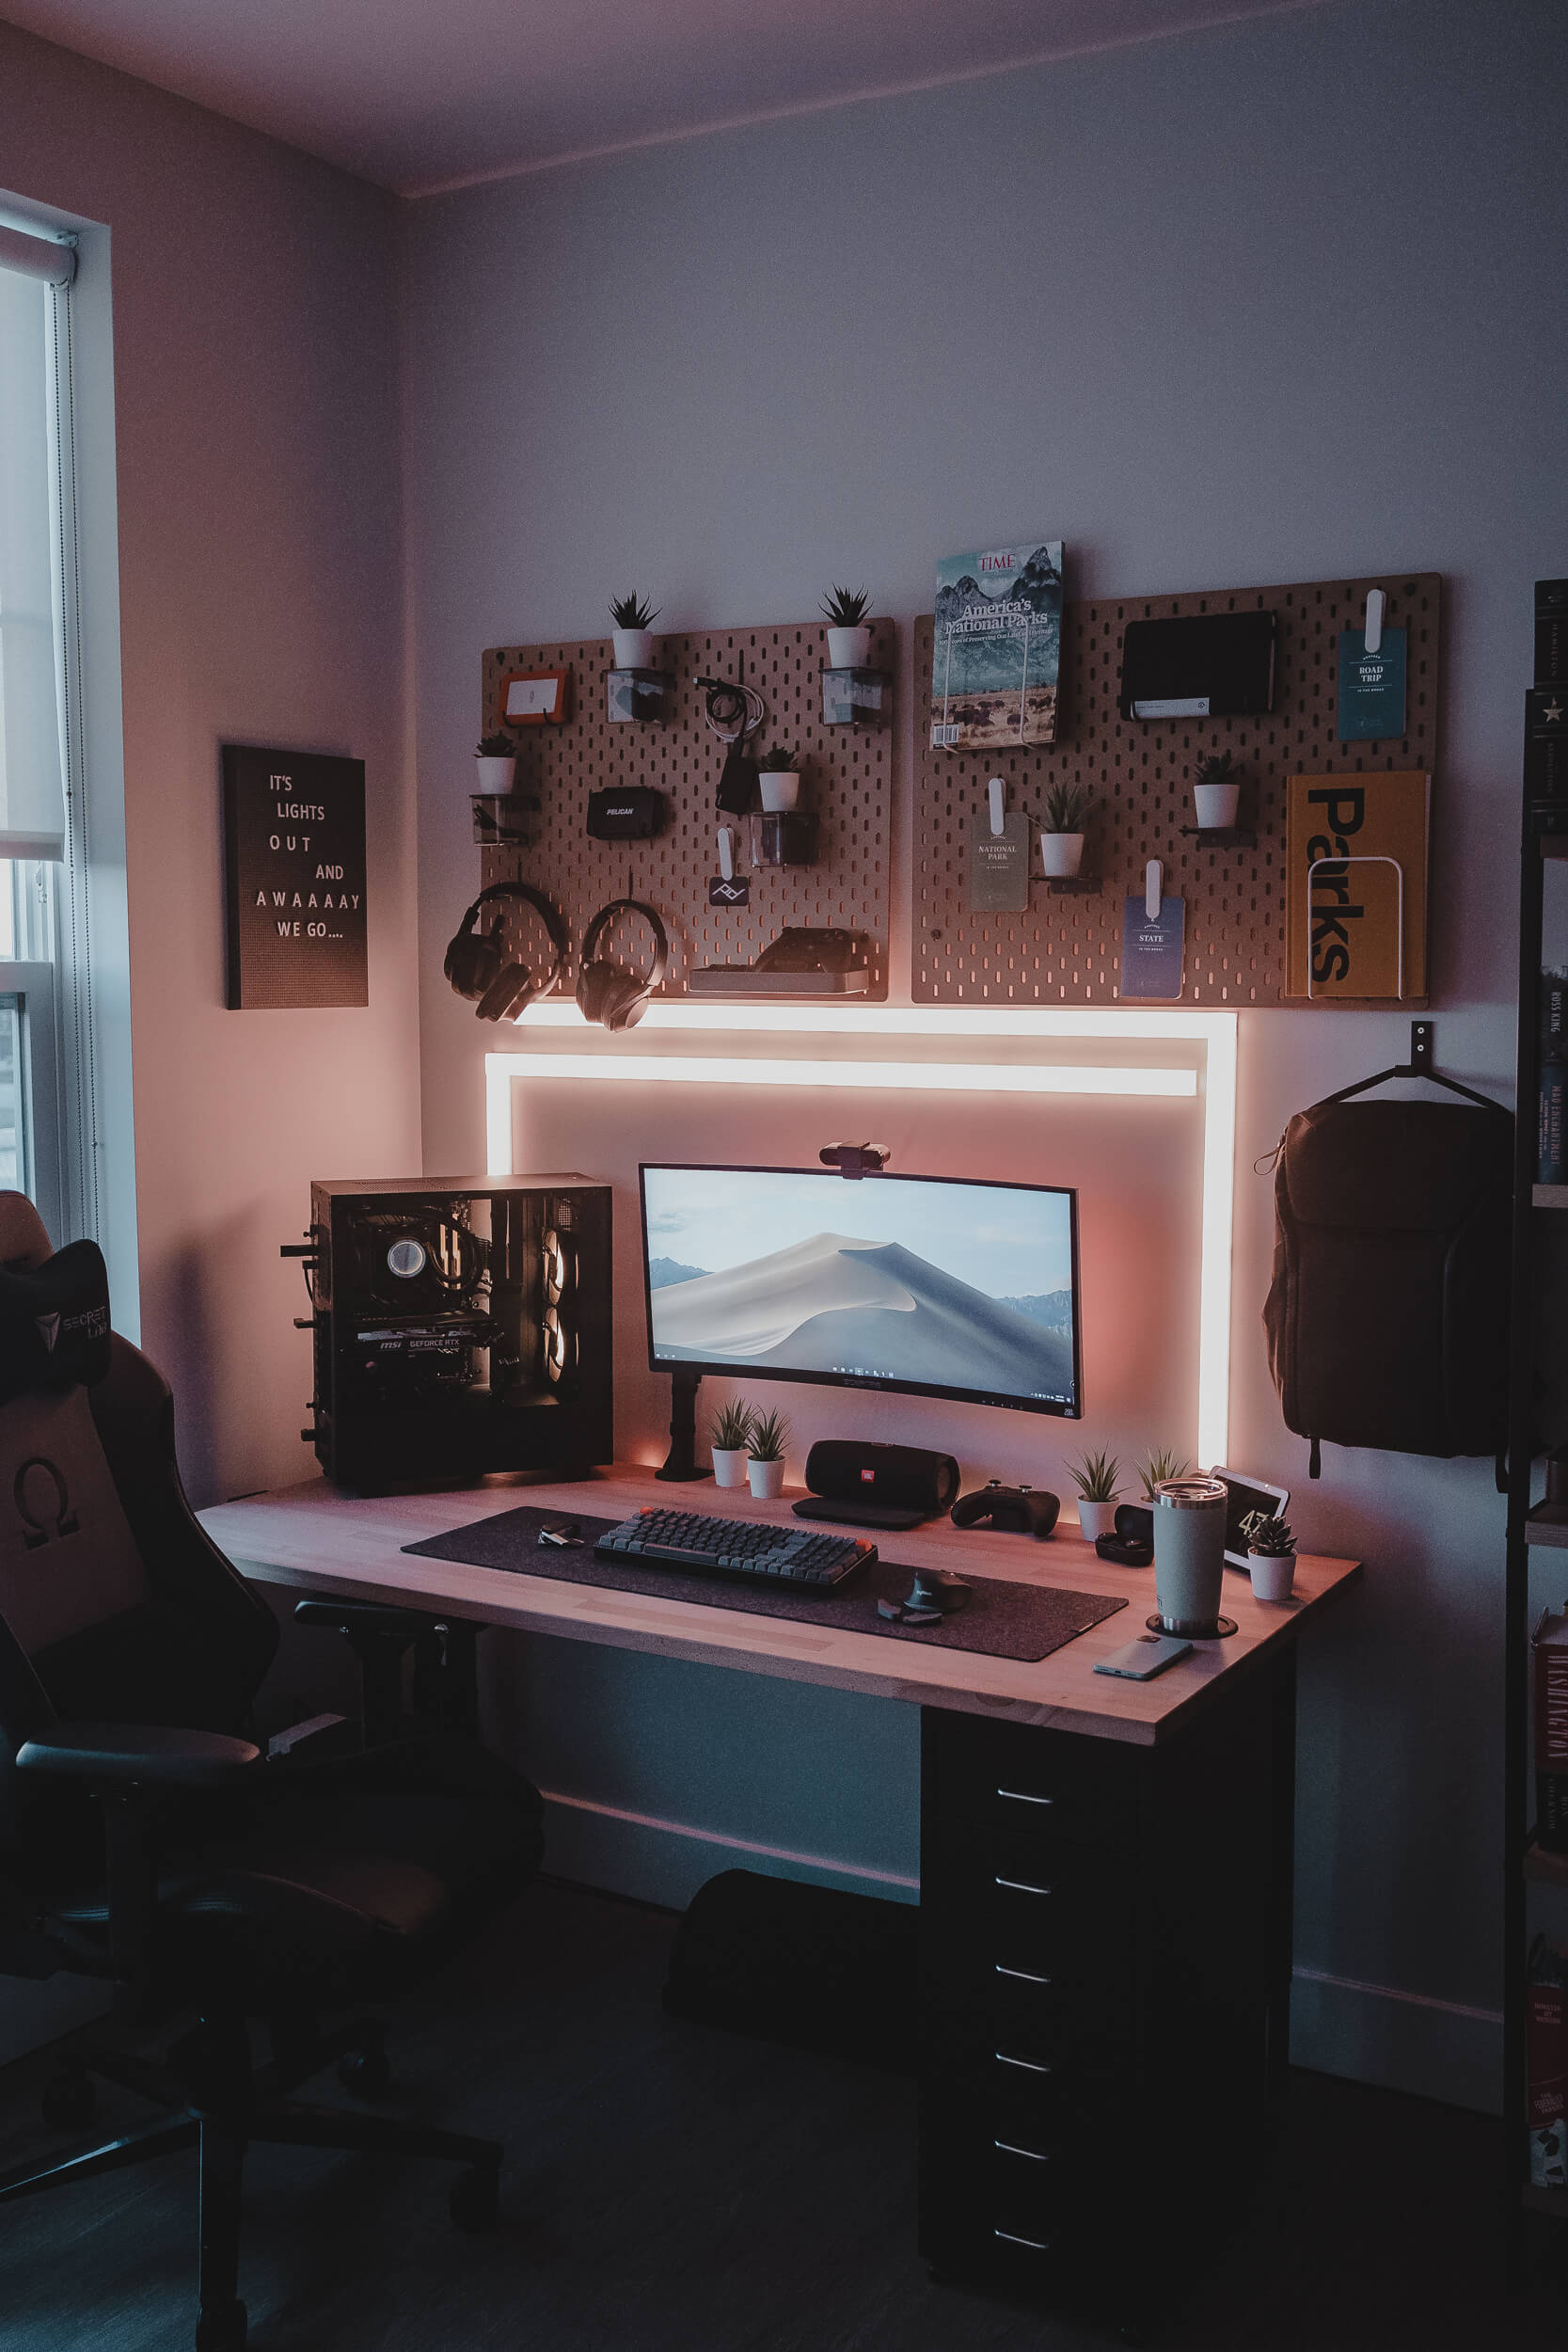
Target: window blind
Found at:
34, 272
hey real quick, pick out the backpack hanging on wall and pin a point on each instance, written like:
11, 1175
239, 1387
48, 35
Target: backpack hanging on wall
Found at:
1387, 1311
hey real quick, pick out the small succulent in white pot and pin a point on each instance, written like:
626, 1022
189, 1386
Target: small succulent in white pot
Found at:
779, 777
633, 633
730, 1442
1271, 1559
496, 763
766, 1467
1216, 792
1097, 1479
1062, 830
849, 630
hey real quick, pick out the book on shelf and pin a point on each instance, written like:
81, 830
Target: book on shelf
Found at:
1355, 884
1546, 2064
1550, 1651
996, 655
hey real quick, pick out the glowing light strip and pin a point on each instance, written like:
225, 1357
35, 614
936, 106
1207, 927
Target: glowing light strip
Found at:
1214, 1031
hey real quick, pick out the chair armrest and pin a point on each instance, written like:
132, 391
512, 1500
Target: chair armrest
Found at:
319, 1734
138, 1756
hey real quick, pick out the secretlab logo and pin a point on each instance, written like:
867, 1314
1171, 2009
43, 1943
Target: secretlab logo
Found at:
91, 1323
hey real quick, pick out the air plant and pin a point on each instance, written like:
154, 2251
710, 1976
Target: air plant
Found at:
1162, 1464
1097, 1477
1066, 807
845, 609
633, 612
770, 1436
732, 1426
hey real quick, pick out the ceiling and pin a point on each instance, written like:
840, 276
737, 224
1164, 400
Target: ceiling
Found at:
420, 95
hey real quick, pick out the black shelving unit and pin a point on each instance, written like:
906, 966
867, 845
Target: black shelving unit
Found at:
1531, 1525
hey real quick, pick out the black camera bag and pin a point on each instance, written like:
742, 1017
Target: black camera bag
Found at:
1387, 1312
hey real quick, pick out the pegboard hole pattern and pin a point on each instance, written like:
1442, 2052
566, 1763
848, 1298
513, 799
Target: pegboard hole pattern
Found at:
1066, 949
847, 786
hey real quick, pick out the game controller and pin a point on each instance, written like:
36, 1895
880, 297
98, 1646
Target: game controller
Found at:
1009, 1510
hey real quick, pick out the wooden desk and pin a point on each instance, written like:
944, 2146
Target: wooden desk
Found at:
313, 1537
1105, 1867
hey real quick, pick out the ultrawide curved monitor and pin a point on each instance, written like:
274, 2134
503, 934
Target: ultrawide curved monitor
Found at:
933, 1285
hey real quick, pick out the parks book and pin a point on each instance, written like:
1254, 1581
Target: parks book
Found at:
1355, 886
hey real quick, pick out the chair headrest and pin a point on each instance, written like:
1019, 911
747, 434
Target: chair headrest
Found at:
54, 1322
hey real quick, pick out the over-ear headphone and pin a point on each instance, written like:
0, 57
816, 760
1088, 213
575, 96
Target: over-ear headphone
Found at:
607, 992
475, 966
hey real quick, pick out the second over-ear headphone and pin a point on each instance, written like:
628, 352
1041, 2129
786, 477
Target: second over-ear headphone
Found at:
607, 992
477, 967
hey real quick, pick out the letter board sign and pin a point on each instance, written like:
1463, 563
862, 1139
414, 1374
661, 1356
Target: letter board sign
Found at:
295, 859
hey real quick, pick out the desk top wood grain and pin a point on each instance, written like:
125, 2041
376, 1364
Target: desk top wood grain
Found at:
313, 1538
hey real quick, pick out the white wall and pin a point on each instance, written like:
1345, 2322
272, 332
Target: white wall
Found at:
1273, 302
261, 592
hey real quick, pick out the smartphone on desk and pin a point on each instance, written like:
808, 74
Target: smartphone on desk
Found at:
1139, 1661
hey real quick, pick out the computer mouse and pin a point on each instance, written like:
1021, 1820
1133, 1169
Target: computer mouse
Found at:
938, 1589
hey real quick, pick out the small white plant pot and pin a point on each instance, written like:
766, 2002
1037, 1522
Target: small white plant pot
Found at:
495, 775
1096, 1520
1215, 805
1271, 1577
849, 648
634, 648
766, 1478
780, 788
1061, 854
729, 1465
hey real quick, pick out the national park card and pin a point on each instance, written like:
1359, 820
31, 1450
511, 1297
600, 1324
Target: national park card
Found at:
998, 648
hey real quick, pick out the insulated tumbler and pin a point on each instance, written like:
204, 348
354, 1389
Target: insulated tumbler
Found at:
1189, 1553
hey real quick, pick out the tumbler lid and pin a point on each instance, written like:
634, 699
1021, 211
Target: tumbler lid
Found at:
1192, 1494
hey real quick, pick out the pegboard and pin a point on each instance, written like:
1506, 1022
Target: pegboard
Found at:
846, 787
1066, 949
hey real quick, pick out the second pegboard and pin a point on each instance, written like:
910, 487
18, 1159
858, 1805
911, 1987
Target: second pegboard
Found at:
1066, 949
846, 787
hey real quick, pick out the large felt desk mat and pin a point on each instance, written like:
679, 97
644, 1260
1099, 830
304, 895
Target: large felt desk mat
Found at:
1000, 1620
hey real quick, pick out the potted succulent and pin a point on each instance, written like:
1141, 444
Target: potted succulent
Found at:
849, 630
633, 633
1217, 789
496, 760
1161, 1465
1097, 1478
1271, 1558
779, 777
765, 1447
731, 1439
1062, 830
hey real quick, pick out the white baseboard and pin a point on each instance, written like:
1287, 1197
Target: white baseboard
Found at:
1375, 2033
665, 1862
1370, 2033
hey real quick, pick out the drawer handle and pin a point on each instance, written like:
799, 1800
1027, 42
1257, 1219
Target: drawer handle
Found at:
1027, 1975
1021, 1796
1035, 2245
1030, 2066
1021, 1886
1036, 2155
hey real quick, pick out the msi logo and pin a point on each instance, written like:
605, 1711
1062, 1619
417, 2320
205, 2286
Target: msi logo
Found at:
48, 1329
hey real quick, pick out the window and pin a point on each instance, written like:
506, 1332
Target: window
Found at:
40, 861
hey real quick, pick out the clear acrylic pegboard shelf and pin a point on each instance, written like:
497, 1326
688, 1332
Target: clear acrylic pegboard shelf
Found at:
1066, 949
847, 785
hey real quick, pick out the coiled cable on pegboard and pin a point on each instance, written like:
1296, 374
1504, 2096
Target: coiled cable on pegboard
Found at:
732, 710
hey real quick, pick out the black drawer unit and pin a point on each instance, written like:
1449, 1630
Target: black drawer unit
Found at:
1104, 1982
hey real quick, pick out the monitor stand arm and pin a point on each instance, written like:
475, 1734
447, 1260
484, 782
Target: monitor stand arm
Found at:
681, 1467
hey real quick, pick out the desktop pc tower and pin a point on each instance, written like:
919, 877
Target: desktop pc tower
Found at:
459, 1327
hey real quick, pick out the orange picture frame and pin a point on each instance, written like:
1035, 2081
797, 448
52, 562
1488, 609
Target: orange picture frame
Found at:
542, 698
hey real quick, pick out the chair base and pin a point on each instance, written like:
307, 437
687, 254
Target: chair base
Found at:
216, 2101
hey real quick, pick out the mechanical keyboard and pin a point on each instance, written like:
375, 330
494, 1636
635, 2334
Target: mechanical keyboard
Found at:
745, 1547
